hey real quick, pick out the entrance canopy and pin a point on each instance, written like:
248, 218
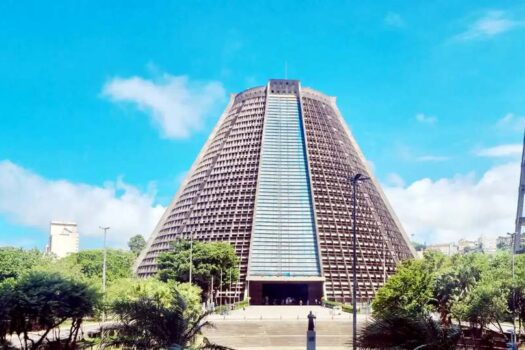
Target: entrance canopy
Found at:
285, 292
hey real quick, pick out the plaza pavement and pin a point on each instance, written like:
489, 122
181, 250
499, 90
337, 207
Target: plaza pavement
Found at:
282, 327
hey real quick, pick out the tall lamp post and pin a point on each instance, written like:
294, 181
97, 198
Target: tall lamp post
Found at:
191, 255
104, 263
513, 251
354, 180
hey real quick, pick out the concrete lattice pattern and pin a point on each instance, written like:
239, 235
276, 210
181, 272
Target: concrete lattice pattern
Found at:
224, 198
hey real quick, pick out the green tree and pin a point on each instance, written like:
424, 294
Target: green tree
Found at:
132, 289
6, 298
455, 280
475, 289
410, 290
17, 261
136, 244
89, 263
407, 332
44, 301
146, 323
485, 305
209, 261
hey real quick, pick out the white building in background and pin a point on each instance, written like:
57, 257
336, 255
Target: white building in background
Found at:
448, 249
63, 238
488, 245
483, 244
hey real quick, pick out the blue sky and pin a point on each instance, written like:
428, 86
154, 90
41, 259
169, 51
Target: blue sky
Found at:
94, 128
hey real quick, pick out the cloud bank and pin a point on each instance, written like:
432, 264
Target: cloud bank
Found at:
459, 207
28, 199
175, 104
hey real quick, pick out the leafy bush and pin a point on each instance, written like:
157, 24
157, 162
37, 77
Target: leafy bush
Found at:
44, 301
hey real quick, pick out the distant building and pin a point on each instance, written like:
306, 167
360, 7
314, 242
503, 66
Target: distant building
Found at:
504, 242
63, 239
483, 244
488, 245
466, 246
445, 248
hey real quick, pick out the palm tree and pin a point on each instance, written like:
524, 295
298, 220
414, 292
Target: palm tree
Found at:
400, 331
148, 324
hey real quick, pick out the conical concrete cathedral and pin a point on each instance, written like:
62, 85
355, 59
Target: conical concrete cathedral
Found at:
273, 180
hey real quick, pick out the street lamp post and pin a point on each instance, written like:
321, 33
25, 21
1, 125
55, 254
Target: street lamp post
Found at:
513, 252
354, 181
191, 255
220, 289
104, 261
104, 267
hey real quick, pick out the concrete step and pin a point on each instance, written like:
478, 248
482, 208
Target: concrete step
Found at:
279, 334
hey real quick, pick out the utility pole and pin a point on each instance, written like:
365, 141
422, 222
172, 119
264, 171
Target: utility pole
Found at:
354, 181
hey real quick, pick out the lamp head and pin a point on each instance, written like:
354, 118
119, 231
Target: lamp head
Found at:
359, 177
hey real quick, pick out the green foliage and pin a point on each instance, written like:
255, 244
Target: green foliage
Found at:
136, 244
17, 261
192, 296
242, 304
455, 280
6, 297
408, 332
332, 304
89, 263
209, 260
148, 324
409, 291
485, 304
347, 308
475, 289
134, 289
130, 289
44, 301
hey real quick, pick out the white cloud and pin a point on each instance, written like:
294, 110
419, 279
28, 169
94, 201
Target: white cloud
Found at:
393, 19
509, 150
491, 24
395, 180
459, 207
28, 199
512, 122
175, 104
425, 119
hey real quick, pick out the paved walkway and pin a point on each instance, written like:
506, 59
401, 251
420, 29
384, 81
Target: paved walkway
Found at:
288, 312
282, 327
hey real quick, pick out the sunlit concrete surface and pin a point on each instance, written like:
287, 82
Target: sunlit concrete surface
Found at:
282, 327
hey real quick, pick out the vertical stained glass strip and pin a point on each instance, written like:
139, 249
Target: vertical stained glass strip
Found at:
284, 239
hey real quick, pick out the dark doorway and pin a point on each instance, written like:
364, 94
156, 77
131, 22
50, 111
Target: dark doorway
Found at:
285, 293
